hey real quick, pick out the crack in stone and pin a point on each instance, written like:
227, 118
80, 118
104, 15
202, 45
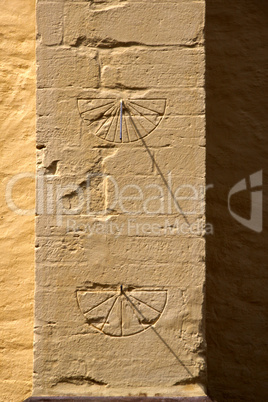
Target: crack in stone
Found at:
111, 43
103, 43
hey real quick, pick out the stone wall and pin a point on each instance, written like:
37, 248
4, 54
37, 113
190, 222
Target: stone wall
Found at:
121, 171
236, 277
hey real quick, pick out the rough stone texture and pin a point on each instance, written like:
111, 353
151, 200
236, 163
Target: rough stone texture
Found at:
129, 24
237, 143
119, 302
17, 122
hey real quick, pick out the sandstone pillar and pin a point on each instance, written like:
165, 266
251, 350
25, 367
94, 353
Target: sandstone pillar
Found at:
120, 269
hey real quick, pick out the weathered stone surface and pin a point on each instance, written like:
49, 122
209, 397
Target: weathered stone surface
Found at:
162, 161
120, 269
66, 67
184, 257
54, 123
59, 117
143, 68
168, 24
50, 23
131, 225
172, 131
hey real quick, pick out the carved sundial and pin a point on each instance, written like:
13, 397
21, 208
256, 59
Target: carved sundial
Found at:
121, 120
122, 312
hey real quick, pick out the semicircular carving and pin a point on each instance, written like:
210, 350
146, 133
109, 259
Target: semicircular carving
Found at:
122, 313
121, 121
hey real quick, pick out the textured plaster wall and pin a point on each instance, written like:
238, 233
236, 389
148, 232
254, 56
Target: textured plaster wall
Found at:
17, 122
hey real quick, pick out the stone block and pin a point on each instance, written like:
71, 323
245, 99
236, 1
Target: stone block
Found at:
50, 23
145, 68
66, 67
140, 161
168, 24
77, 333
120, 285
155, 195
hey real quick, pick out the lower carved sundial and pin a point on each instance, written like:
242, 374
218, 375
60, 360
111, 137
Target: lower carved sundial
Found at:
122, 312
121, 120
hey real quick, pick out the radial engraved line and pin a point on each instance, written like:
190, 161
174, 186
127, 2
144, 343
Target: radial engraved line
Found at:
118, 117
134, 126
102, 116
109, 109
121, 316
135, 310
151, 110
124, 120
105, 120
113, 117
111, 124
105, 322
146, 304
142, 115
112, 108
127, 128
97, 107
92, 308
143, 128
138, 122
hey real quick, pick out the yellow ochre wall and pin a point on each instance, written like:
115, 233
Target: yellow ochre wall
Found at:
17, 121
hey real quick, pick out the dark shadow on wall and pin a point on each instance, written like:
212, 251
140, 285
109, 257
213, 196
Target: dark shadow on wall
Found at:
237, 146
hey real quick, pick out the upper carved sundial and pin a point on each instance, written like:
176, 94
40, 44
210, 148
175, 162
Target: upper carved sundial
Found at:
121, 120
